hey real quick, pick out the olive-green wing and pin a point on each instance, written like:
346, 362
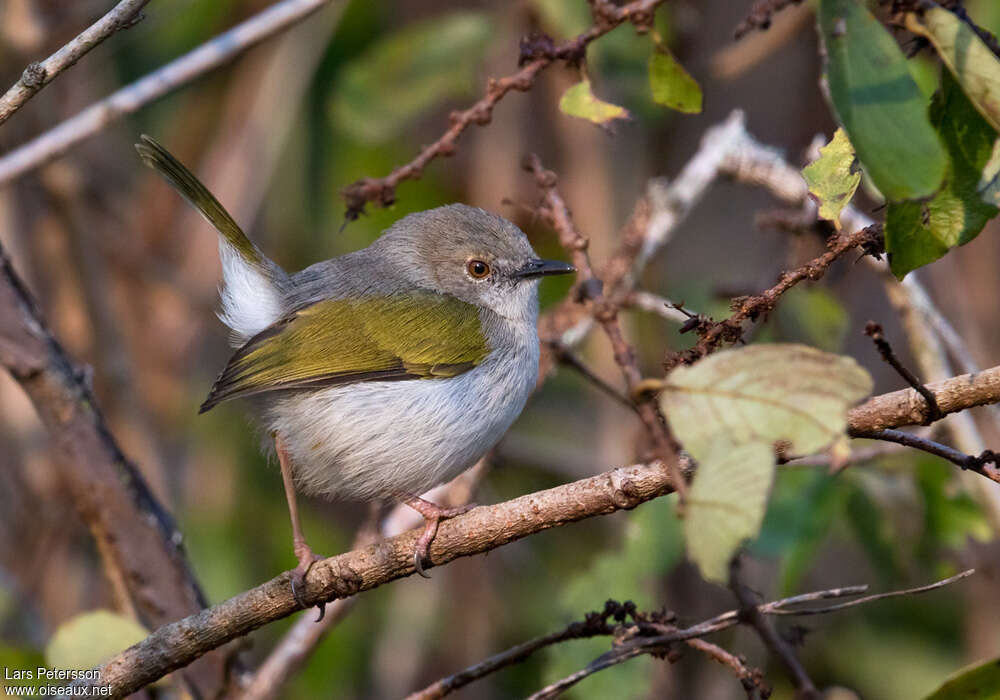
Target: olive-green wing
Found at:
414, 336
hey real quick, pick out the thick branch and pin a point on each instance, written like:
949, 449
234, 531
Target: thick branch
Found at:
38, 75
178, 72
907, 407
478, 531
137, 538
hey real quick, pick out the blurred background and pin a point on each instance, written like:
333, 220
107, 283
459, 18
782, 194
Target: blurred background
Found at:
127, 275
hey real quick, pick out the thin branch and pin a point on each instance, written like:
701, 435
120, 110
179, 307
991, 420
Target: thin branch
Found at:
537, 54
750, 614
589, 289
714, 335
752, 679
210, 55
874, 331
657, 638
782, 607
570, 359
979, 464
139, 543
760, 16
656, 304
593, 625
654, 220
38, 75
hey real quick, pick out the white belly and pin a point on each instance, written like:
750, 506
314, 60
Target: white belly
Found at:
376, 440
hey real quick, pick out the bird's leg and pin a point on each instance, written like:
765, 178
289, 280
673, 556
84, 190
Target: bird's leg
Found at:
433, 514
303, 552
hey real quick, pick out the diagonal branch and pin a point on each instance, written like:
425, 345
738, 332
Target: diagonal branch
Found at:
210, 55
476, 532
139, 544
537, 54
39, 74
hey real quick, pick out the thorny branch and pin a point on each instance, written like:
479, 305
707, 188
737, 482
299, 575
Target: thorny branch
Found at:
538, 52
39, 74
712, 335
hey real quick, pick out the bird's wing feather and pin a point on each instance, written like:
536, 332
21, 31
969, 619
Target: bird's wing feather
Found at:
419, 335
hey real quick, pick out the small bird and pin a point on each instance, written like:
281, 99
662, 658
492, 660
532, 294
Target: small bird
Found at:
383, 372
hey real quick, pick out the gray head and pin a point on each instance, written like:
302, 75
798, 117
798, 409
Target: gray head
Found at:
472, 254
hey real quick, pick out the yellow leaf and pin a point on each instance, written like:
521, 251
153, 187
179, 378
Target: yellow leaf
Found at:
579, 101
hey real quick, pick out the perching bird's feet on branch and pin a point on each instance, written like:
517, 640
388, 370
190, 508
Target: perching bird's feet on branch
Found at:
433, 514
306, 557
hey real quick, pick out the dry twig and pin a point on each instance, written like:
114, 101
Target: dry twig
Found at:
163, 80
39, 74
537, 53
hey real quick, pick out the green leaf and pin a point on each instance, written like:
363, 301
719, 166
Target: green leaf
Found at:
763, 393
401, 76
878, 102
725, 503
579, 101
980, 681
967, 57
671, 84
729, 411
917, 233
91, 638
833, 178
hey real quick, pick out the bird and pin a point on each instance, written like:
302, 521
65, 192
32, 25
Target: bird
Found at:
383, 372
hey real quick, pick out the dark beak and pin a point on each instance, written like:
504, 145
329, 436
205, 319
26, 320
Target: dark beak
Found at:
540, 268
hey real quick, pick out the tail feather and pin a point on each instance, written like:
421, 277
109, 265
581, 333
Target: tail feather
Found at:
252, 290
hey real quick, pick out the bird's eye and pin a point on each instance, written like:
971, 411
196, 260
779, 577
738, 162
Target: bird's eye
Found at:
478, 269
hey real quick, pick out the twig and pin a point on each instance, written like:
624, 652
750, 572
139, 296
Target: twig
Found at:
210, 55
978, 464
783, 607
655, 304
38, 75
752, 679
661, 636
874, 331
593, 625
139, 543
746, 308
537, 54
478, 531
569, 358
655, 218
589, 289
749, 613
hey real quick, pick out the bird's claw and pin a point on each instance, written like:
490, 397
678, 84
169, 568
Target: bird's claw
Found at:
306, 559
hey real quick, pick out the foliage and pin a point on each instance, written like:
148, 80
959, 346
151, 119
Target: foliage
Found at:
731, 411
